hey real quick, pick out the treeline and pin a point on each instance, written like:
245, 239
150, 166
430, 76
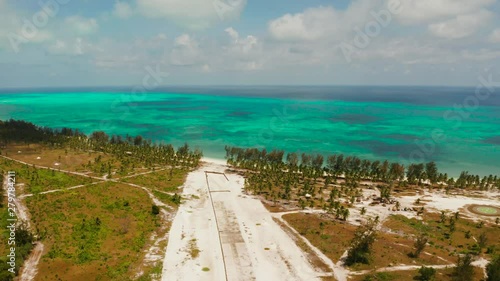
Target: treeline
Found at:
353, 168
124, 148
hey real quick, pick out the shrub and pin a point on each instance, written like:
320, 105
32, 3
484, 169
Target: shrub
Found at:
426, 274
493, 270
155, 210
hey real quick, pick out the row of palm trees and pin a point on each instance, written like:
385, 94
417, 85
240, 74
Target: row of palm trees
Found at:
351, 168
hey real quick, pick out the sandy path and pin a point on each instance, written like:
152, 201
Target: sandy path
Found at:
251, 246
30, 266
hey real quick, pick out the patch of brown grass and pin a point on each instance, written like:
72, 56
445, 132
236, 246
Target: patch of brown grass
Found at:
68, 159
333, 240
311, 256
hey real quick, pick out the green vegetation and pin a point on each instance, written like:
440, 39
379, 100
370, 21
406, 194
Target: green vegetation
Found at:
419, 245
130, 152
168, 180
155, 210
493, 270
456, 237
362, 242
97, 231
426, 274
463, 271
96, 228
193, 249
273, 171
172, 200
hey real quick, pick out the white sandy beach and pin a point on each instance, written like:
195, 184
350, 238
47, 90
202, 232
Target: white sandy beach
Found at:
251, 246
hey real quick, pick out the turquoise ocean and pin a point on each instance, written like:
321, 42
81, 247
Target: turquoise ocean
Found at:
452, 126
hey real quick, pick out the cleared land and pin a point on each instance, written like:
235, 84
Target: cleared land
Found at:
236, 236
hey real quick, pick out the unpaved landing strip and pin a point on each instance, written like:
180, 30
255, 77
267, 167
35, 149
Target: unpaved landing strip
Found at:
236, 236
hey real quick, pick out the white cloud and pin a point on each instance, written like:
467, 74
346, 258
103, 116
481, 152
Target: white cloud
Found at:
74, 47
495, 36
186, 51
233, 33
122, 10
461, 26
82, 25
243, 53
428, 11
192, 14
322, 22
13, 31
481, 55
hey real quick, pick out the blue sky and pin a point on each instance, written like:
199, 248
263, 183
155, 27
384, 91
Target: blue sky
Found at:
113, 43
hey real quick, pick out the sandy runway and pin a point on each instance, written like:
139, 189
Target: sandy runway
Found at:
236, 236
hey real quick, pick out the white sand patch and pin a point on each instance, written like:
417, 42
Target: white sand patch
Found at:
221, 162
251, 245
440, 201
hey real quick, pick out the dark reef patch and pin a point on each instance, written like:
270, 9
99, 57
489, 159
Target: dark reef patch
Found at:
492, 140
351, 118
239, 114
402, 137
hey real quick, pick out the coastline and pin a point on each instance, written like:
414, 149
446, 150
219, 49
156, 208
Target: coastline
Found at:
210, 160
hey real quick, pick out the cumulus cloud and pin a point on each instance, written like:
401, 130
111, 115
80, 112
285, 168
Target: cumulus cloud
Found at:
461, 26
186, 51
450, 19
192, 14
428, 11
82, 25
122, 10
245, 53
14, 32
321, 22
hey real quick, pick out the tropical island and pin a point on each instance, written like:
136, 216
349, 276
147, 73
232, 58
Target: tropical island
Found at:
100, 207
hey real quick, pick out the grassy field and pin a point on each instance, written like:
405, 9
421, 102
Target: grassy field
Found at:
330, 237
95, 232
460, 241
164, 180
409, 275
37, 180
333, 239
92, 233
67, 159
